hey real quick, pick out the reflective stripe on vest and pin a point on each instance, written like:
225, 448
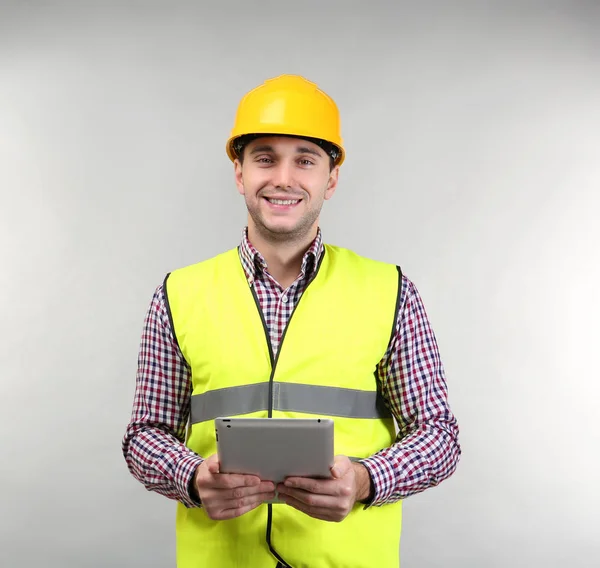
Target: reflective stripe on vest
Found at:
310, 399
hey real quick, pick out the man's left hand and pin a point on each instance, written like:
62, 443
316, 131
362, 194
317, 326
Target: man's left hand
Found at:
328, 499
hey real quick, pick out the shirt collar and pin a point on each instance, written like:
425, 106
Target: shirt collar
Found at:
254, 263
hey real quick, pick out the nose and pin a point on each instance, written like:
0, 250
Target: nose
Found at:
282, 176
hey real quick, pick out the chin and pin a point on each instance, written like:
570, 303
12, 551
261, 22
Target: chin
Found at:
282, 230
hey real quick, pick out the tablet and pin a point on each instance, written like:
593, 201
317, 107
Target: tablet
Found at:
275, 448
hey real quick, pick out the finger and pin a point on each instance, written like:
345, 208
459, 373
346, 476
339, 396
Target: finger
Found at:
322, 487
240, 492
310, 499
235, 507
321, 513
226, 514
233, 480
215, 497
318, 486
246, 500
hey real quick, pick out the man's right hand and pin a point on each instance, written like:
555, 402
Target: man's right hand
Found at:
229, 495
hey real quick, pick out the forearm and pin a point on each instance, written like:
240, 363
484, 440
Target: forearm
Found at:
419, 461
413, 383
160, 462
153, 445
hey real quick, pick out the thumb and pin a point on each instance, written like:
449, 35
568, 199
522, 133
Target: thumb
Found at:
212, 464
340, 467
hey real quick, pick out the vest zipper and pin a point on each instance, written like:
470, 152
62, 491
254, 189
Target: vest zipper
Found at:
274, 360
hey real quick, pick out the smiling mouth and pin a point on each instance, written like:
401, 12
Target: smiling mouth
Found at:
283, 201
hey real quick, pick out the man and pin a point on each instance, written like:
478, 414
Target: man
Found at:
285, 311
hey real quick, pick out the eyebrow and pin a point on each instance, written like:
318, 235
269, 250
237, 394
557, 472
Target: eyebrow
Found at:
299, 150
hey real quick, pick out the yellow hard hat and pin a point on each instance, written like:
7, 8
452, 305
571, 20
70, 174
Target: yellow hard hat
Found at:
289, 105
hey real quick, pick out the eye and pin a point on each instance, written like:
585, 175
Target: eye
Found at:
306, 162
263, 160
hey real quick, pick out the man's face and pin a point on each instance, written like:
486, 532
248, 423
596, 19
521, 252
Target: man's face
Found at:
284, 181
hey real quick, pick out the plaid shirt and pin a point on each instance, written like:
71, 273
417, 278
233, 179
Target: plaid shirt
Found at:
426, 450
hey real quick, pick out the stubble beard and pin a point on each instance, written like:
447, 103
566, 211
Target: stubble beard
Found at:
281, 234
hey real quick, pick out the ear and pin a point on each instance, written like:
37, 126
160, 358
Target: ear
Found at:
332, 183
239, 181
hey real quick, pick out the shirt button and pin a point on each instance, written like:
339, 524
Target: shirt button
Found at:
284, 298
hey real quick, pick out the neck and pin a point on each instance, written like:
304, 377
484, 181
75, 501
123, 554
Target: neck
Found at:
283, 258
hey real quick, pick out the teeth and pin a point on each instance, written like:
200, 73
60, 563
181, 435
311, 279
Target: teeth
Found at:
284, 201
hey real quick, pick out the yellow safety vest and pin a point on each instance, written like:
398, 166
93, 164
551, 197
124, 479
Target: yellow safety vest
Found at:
325, 366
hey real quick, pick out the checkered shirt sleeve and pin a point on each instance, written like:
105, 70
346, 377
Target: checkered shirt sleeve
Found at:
153, 445
413, 382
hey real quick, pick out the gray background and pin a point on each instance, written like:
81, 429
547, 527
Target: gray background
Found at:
473, 140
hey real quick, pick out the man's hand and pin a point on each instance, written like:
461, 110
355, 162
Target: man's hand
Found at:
229, 495
328, 499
